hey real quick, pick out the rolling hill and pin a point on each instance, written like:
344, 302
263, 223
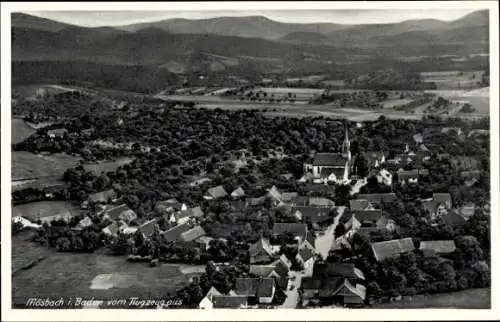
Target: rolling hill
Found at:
21, 20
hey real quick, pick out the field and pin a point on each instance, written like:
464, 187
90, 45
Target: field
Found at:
453, 79
98, 276
26, 253
26, 165
396, 102
479, 298
20, 130
34, 210
107, 166
478, 98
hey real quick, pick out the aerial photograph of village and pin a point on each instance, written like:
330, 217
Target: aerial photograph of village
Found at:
250, 159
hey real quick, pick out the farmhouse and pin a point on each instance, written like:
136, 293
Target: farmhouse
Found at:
392, 248
360, 204
261, 289
377, 199
367, 217
438, 206
298, 231
215, 193
261, 252
207, 301
439, 247
170, 205
121, 212
107, 196
57, 133
229, 302
305, 257
311, 214
375, 158
238, 193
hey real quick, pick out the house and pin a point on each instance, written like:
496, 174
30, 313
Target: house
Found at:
411, 176
478, 132
170, 205
261, 252
349, 294
470, 177
352, 224
452, 130
310, 287
305, 257
275, 270
229, 302
289, 196
24, 222
438, 206
349, 271
114, 228
262, 289
275, 195
238, 193
418, 138
375, 158
148, 227
360, 204
303, 201
121, 212
311, 214
175, 234
467, 211
309, 242
439, 247
193, 234
453, 218
57, 133
107, 196
377, 199
367, 217
443, 198
184, 216
207, 301
385, 223
392, 248
253, 202
215, 193
298, 231
84, 223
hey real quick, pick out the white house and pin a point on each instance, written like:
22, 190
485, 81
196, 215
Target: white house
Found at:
207, 301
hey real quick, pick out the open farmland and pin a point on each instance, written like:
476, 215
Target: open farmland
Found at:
34, 210
99, 276
478, 98
106, 166
20, 130
453, 79
25, 253
26, 165
478, 298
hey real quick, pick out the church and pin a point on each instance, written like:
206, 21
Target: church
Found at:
331, 167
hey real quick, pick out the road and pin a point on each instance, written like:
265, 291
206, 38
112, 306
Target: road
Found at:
323, 245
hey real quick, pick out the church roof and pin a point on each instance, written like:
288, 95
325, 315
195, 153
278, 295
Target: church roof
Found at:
329, 159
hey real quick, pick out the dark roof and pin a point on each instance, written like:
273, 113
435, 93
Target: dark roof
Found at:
311, 283
121, 211
147, 228
378, 197
227, 301
442, 198
259, 246
266, 287
298, 230
338, 270
260, 287
438, 246
262, 270
102, 196
392, 248
256, 201
323, 188
329, 159
358, 204
366, 232
367, 215
174, 233
306, 254
330, 286
288, 196
327, 172
193, 233
312, 214
310, 238
347, 289
453, 218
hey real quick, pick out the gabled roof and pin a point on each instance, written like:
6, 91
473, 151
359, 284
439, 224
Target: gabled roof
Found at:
57, 132
196, 212
305, 253
321, 202
217, 192
212, 292
338, 269
298, 230
261, 270
366, 232
378, 197
392, 248
453, 218
192, 234
274, 193
265, 287
229, 302
148, 227
358, 204
329, 159
327, 172
174, 233
121, 212
310, 239
467, 211
288, 196
311, 283
112, 228
260, 287
259, 246
164, 205
438, 246
239, 192
256, 201
312, 214
442, 198
367, 215
102, 196
283, 259
347, 289
329, 287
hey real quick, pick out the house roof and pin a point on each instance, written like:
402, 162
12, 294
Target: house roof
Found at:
321, 202
113, 228
227, 301
259, 246
283, 259
148, 227
274, 193
192, 234
174, 233
312, 214
57, 132
212, 292
102, 196
392, 248
442, 198
164, 205
305, 253
261, 270
467, 211
121, 211
265, 287
288, 196
311, 283
375, 155
329, 159
367, 215
260, 287
453, 218
217, 192
85, 222
418, 138
239, 192
329, 287
358, 204
298, 230
256, 201
438, 246
366, 232
310, 238
196, 212
337, 172
338, 269
378, 197
347, 289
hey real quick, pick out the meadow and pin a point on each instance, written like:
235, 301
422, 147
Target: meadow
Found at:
34, 210
106, 166
453, 79
20, 130
26, 165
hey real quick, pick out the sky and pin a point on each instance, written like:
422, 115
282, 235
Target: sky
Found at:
347, 16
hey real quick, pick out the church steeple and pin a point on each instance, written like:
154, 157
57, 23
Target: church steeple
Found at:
346, 146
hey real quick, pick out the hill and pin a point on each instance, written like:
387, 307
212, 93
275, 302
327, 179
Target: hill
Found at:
304, 37
21, 20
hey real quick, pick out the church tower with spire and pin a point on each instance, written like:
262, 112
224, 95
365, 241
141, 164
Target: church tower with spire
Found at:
346, 146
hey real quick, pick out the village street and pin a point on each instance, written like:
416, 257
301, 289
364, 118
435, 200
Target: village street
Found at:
323, 245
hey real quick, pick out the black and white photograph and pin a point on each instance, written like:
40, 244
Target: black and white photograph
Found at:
202, 159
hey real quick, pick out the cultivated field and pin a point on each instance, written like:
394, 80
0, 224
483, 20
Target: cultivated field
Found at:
20, 130
26, 165
478, 98
34, 210
453, 79
25, 253
99, 276
479, 298
396, 102
106, 166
